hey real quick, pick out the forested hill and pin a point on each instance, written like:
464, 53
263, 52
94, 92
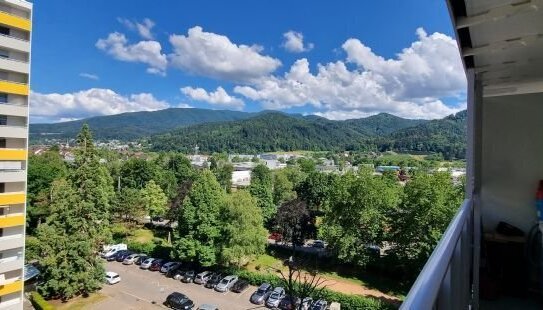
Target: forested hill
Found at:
132, 126
270, 131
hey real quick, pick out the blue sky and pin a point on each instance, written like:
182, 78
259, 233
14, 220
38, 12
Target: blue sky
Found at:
340, 61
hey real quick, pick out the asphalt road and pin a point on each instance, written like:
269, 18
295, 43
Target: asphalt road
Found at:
143, 289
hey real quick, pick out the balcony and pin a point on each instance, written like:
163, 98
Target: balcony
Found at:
13, 131
12, 198
15, 21
11, 242
8, 176
13, 154
12, 220
13, 109
9, 286
15, 43
11, 263
11, 64
14, 88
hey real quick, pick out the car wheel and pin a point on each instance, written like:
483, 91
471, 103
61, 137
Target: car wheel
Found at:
177, 277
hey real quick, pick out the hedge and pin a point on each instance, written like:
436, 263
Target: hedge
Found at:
39, 303
348, 302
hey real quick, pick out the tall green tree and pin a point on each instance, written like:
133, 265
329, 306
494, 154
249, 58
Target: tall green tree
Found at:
198, 235
244, 233
93, 185
357, 215
223, 172
283, 189
154, 199
417, 224
67, 255
315, 189
262, 189
129, 204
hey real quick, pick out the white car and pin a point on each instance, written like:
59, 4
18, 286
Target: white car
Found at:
112, 277
226, 283
147, 263
168, 266
275, 297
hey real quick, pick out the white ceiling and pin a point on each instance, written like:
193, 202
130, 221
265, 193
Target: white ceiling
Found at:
506, 44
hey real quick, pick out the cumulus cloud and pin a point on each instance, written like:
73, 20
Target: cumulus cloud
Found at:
294, 42
91, 102
410, 85
89, 76
218, 97
144, 28
146, 52
213, 55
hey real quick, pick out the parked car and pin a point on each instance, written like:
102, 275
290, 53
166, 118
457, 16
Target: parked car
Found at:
240, 286
169, 265
130, 259
111, 249
261, 294
213, 280
114, 256
277, 237
275, 297
202, 277
112, 277
157, 264
141, 259
178, 301
335, 306
120, 257
319, 244
226, 283
208, 307
188, 277
320, 304
147, 263
177, 270
289, 303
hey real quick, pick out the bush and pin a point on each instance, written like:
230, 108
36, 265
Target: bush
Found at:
39, 303
138, 247
347, 301
32, 249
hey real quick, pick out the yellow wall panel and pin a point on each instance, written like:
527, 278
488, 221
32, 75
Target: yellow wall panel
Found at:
7, 154
8, 199
11, 288
14, 88
15, 21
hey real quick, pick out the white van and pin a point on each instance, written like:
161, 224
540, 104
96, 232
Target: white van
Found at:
112, 249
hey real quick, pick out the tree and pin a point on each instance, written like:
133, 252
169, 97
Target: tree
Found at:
199, 228
182, 168
292, 220
94, 186
282, 187
223, 172
154, 199
261, 189
315, 189
307, 165
67, 255
300, 284
429, 204
357, 215
244, 233
129, 204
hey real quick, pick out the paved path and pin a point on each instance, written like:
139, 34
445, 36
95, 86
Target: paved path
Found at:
143, 289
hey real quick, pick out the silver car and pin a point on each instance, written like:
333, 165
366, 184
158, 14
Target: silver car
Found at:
275, 297
226, 283
202, 277
261, 294
130, 259
147, 263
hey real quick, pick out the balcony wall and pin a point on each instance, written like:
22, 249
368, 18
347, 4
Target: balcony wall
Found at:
15, 43
13, 109
14, 65
13, 131
512, 159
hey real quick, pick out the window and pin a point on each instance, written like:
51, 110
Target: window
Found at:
3, 120
3, 98
4, 30
2, 187
1, 232
4, 54
2, 143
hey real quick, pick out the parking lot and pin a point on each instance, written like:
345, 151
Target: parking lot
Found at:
143, 289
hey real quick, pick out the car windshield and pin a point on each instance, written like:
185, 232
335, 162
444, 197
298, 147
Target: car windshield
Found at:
274, 295
224, 281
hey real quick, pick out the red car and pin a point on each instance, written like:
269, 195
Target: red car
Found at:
157, 264
275, 236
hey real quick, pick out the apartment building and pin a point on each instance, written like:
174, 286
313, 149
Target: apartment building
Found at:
15, 34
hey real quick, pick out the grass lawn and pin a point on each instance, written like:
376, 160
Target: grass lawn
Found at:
141, 235
265, 261
79, 302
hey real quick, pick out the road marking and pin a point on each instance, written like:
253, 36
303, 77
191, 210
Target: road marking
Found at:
136, 296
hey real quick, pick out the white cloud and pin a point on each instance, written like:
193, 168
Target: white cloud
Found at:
89, 76
218, 97
409, 86
214, 55
91, 102
294, 42
147, 52
144, 28
184, 106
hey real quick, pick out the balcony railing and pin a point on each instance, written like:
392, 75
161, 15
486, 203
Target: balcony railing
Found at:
446, 281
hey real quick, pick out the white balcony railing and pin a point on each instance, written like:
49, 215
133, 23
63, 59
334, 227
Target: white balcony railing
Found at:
446, 281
